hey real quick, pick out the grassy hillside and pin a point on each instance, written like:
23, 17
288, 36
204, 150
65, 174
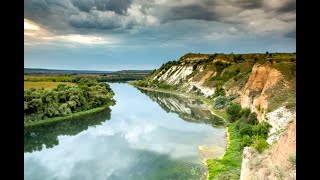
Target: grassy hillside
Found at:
226, 69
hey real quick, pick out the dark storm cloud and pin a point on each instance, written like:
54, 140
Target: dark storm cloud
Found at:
202, 10
109, 16
288, 7
117, 6
188, 12
248, 4
66, 15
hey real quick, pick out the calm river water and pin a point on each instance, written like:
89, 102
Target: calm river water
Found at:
146, 135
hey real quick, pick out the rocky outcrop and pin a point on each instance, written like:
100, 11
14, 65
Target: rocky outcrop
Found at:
174, 74
177, 74
253, 94
279, 120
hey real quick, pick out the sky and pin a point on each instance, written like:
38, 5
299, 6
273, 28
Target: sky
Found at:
143, 34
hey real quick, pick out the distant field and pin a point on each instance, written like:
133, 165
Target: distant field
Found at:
45, 85
48, 78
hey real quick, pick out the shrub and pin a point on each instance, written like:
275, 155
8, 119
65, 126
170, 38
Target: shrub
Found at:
245, 112
246, 140
245, 129
142, 83
259, 143
292, 159
198, 92
252, 118
219, 91
233, 112
194, 67
261, 129
220, 102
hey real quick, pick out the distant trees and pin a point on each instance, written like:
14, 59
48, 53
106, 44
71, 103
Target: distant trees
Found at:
75, 78
63, 100
238, 58
219, 66
168, 64
212, 57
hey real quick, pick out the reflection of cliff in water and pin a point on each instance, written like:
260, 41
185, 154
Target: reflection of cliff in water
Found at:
47, 134
188, 109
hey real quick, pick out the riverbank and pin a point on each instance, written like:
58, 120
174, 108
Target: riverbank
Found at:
228, 166
63, 118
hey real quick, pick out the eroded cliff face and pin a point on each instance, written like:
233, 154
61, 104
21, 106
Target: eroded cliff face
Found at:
180, 75
253, 95
256, 97
174, 74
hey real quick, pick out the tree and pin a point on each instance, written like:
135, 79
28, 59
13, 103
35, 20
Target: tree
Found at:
219, 91
220, 102
63, 100
233, 112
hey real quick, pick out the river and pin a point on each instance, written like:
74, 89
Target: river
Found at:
146, 135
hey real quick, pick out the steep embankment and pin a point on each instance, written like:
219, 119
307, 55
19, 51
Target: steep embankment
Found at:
264, 83
278, 162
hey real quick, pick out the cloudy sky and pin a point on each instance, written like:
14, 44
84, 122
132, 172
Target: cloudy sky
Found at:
143, 34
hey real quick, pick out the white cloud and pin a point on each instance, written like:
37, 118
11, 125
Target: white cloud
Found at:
37, 35
28, 25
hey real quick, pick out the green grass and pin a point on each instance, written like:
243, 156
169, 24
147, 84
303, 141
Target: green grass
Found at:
45, 85
229, 166
292, 159
62, 118
233, 71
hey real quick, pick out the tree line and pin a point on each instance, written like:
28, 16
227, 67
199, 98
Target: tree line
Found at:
41, 104
75, 78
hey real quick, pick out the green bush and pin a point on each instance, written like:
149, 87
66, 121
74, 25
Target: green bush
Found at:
293, 159
245, 112
220, 102
141, 83
261, 129
233, 112
252, 118
246, 140
259, 143
245, 129
219, 66
219, 91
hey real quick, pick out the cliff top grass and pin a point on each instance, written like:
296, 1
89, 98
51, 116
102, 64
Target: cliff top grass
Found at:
254, 57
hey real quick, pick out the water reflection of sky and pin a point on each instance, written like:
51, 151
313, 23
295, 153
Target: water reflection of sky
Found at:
138, 132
